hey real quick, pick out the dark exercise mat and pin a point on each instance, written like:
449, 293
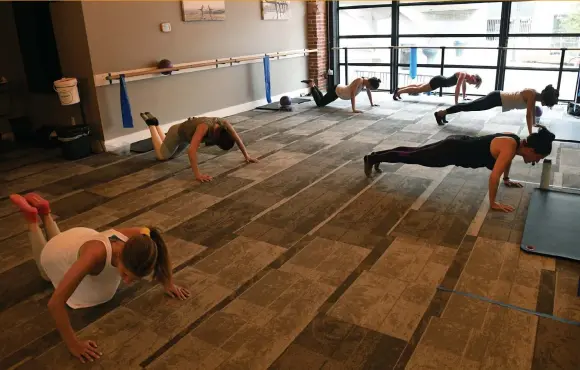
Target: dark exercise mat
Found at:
142, 146
552, 224
276, 105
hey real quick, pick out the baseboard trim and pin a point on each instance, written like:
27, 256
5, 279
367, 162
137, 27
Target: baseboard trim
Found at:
122, 142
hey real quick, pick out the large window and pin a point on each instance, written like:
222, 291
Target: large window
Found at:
367, 25
464, 36
539, 25
446, 19
364, 21
546, 17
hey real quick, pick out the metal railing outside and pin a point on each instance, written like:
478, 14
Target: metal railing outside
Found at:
442, 65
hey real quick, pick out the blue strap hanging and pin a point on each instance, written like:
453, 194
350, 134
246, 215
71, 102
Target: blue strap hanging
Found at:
267, 78
413, 63
125, 105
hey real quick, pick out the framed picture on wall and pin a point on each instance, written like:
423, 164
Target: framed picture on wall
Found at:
273, 10
194, 11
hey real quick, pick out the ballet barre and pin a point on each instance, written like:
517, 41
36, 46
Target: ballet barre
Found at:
110, 78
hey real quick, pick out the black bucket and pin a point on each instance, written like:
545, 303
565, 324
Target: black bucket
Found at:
574, 109
75, 141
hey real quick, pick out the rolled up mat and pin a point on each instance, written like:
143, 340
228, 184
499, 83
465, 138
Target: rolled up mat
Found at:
413, 63
125, 105
267, 78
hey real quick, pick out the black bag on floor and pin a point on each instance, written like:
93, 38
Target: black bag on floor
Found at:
75, 141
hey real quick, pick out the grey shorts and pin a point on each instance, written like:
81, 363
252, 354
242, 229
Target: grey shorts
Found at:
172, 145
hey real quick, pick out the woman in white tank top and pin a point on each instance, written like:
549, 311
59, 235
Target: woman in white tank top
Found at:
343, 92
86, 267
524, 99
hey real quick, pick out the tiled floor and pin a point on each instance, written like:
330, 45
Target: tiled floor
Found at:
300, 261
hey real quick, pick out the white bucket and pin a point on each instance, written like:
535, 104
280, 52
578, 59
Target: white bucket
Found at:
67, 91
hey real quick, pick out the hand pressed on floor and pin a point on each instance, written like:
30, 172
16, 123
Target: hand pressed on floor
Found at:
513, 184
175, 291
502, 207
85, 351
203, 178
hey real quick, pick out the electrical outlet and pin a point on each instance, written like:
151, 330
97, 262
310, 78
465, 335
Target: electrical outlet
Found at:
165, 27
330, 72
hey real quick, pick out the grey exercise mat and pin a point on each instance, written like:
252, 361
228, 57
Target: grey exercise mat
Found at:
276, 105
553, 224
565, 131
142, 146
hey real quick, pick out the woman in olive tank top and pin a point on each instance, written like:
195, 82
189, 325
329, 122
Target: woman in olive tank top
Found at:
494, 152
191, 133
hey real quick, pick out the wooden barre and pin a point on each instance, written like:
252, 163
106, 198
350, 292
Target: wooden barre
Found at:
207, 63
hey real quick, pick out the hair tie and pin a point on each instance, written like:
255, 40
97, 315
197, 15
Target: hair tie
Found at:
146, 231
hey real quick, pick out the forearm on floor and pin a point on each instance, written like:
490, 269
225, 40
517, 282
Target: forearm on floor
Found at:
193, 162
242, 147
493, 185
530, 120
58, 312
506, 172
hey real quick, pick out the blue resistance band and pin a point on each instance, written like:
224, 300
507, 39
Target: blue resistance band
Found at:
413, 63
267, 78
506, 305
125, 105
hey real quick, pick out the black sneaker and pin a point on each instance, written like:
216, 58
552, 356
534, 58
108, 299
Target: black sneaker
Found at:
367, 166
440, 121
377, 169
149, 119
395, 95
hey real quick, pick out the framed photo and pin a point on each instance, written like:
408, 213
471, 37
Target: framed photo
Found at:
273, 10
194, 11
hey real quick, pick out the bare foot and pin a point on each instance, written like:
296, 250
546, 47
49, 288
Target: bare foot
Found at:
367, 166
30, 213
39, 203
309, 82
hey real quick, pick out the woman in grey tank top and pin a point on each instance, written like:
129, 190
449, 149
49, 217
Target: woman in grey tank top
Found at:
524, 99
191, 133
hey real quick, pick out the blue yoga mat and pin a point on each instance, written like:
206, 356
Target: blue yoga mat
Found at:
413, 63
125, 105
267, 78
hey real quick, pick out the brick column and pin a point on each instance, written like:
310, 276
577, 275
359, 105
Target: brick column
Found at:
317, 39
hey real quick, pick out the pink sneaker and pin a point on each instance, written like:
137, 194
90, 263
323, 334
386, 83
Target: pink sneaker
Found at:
29, 212
38, 202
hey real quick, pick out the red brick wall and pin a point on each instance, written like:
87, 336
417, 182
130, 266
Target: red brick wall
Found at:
317, 39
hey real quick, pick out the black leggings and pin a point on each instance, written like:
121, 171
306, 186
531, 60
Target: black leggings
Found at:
440, 154
491, 100
323, 100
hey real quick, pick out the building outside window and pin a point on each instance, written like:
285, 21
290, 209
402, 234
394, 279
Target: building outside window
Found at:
532, 24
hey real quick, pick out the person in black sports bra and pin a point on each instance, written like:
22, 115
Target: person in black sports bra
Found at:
494, 152
459, 79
